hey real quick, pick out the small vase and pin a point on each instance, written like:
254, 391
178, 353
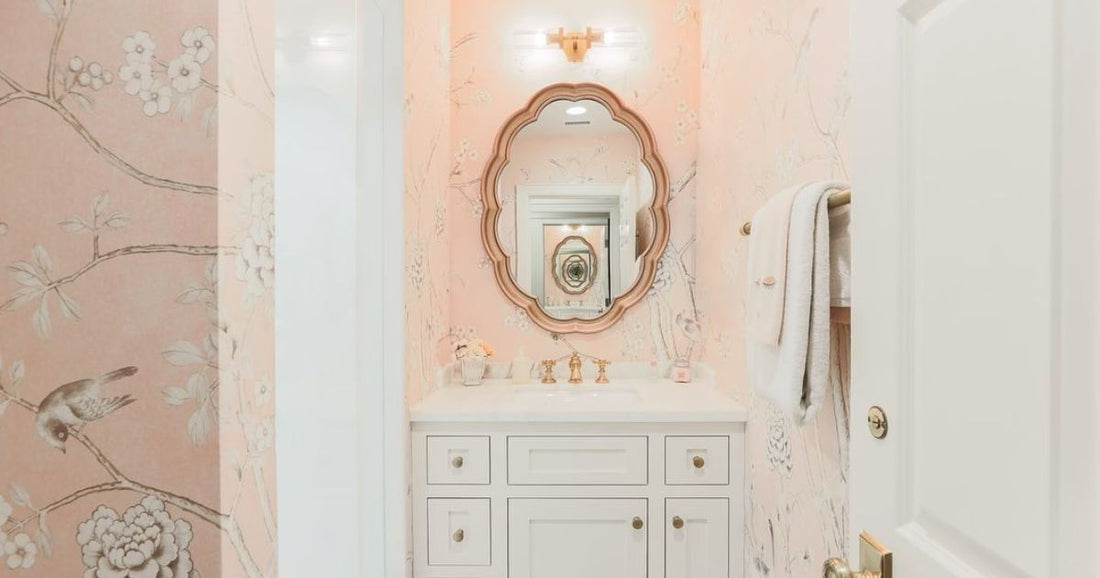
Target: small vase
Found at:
473, 370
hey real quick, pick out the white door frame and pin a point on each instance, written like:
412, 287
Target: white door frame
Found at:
340, 390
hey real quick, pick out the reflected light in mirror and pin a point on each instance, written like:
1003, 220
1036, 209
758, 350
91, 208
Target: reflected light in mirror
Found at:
576, 110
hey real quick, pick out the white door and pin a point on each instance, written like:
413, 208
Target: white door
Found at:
974, 285
578, 538
697, 538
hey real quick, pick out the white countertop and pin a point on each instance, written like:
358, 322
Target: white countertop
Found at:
643, 400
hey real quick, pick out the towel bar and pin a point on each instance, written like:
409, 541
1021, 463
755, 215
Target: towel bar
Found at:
837, 199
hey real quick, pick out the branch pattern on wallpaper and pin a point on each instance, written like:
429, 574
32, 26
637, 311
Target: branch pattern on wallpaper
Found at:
146, 540
151, 80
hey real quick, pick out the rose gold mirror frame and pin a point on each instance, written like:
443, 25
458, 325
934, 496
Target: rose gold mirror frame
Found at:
658, 209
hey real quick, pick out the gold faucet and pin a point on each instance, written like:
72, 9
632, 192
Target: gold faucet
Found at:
575, 368
548, 371
601, 377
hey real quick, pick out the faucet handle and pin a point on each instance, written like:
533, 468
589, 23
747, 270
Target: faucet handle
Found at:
602, 376
548, 371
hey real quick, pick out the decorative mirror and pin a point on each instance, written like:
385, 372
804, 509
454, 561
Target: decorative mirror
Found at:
574, 265
576, 208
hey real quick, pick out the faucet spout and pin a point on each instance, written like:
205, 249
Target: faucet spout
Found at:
575, 368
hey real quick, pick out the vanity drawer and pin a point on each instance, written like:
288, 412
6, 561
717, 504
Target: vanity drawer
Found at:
458, 532
697, 460
592, 460
458, 460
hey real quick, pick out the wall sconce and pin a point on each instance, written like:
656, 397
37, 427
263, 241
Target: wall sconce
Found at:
575, 44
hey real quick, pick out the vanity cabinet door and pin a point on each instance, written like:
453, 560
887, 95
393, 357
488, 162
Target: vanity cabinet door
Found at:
578, 538
697, 537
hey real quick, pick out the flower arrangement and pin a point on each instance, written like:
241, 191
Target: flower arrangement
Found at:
472, 347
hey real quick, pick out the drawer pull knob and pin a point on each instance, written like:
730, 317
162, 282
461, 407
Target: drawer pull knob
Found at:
459, 535
457, 462
677, 522
637, 523
698, 462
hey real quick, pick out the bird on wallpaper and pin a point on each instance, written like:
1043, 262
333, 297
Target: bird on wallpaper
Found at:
76, 404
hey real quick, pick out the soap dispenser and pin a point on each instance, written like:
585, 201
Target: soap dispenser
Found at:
521, 367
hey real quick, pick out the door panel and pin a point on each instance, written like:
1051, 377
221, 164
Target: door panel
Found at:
957, 277
579, 538
697, 533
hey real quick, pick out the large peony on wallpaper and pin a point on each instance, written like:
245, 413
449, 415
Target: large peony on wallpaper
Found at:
136, 318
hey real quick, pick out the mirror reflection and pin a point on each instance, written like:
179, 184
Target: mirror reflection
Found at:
575, 219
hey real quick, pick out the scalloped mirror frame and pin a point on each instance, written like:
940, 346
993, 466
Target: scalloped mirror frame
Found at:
658, 208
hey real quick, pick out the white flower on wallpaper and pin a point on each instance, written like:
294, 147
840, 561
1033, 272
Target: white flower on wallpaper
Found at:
185, 73
256, 259
262, 391
18, 549
143, 542
687, 121
260, 435
779, 442
198, 42
162, 86
81, 76
662, 279
137, 77
440, 228
19, 552
416, 268
139, 48
465, 152
157, 99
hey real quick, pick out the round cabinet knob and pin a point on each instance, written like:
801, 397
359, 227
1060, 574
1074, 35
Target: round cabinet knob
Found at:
677, 522
698, 462
637, 523
459, 535
457, 462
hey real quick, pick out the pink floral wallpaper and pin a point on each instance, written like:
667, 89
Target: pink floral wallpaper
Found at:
774, 115
136, 318
427, 223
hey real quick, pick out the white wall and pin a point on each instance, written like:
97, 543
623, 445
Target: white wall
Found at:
338, 295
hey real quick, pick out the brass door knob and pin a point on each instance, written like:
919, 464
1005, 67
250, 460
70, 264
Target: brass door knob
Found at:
677, 522
457, 462
877, 561
637, 523
698, 462
837, 568
459, 535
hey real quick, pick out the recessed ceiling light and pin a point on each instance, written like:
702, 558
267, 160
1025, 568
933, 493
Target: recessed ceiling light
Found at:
576, 110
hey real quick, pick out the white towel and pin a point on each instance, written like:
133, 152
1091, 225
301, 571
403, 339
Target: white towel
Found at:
795, 374
840, 257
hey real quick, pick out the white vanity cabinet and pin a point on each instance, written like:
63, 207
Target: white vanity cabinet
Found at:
527, 494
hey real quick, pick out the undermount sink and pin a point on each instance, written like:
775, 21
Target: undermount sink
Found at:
567, 394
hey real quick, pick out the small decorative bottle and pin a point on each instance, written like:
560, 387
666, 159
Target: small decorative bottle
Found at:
681, 370
521, 367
